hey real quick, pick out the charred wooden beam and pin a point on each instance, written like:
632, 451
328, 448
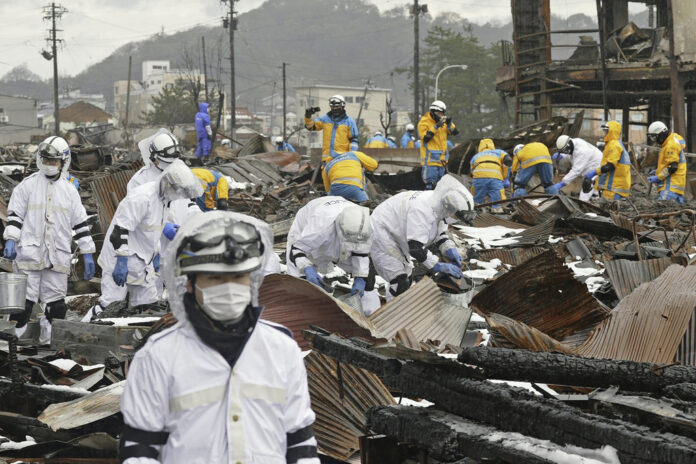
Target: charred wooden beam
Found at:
445, 436
31, 399
681, 391
560, 369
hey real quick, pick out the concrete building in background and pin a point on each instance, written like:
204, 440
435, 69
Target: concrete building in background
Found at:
18, 120
374, 102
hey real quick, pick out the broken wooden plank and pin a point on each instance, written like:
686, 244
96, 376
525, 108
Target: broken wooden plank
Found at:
95, 406
94, 342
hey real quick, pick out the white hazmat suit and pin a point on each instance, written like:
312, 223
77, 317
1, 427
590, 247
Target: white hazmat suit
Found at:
585, 158
183, 403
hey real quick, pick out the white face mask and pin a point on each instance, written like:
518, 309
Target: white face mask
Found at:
225, 302
50, 171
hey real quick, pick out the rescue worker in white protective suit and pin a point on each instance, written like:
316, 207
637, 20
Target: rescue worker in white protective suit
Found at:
222, 385
157, 151
330, 231
585, 158
130, 255
407, 223
44, 212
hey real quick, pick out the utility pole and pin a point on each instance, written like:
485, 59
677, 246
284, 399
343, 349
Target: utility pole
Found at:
362, 102
284, 103
205, 71
230, 22
415, 11
53, 12
130, 62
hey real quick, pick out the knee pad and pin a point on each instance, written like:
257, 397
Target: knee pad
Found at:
399, 285
370, 281
56, 310
23, 317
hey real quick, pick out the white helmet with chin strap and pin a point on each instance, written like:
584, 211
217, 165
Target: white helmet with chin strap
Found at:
657, 132
409, 127
53, 148
517, 148
178, 182
354, 228
564, 144
146, 150
277, 139
438, 105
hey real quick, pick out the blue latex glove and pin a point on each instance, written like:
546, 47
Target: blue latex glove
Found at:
560, 185
10, 250
506, 183
453, 255
358, 286
313, 276
654, 179
88, 259
557, 156
448, 268
170, 230
652, 172
591, 175
120, 273
155, 262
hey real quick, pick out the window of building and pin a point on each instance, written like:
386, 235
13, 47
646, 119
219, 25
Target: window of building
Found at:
637, 116
169, 86
349, 99
359, 99
586, 125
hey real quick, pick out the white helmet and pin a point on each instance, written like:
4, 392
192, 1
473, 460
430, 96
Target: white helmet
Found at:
517, 148
391, 137
53, 148
378, 133
164, 148
277, 139
455, 203
229, 247
438, 105
337, 100
354, 229
409, 127
657, 132
178, 182
564, 144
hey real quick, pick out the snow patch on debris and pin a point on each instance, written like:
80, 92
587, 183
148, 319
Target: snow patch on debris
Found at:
494, 236
65, 388
67, 364
553, 239
6, 444
525, 385
233, 185
545, 449
409, 402
590, 275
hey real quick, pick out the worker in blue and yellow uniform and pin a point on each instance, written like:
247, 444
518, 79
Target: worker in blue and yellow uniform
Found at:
530, 159
391, 141
671, 163
409, 139
433, 129
340, 133
377, 141
73, 180
344, 175
489, 168
613, 176
215, 190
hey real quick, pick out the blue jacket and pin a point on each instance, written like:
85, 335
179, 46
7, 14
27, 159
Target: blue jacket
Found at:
391, 144
409, 141
285, 146
202, 120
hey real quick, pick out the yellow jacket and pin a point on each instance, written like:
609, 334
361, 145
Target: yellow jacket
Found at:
672, 152
338, 133
376, 144
530, 155
433, 153
488, 162
346, 168
214, 187
618, 180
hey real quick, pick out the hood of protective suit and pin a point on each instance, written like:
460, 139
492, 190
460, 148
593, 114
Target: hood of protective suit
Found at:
354, 230
614, 132
176, 284
450, 183
486, 144
203, 107
178, 181
144, 145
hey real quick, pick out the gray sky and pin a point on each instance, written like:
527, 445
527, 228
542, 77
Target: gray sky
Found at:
92, 29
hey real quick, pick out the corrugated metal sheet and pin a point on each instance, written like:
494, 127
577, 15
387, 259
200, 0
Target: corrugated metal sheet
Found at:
649, 324
622, 221
537, 235
491, 220
297, 304
686, 353
254, 171
108, 193
626, 275
512, 256
424, 311
340, 419
544, 294
522, 336
530, 214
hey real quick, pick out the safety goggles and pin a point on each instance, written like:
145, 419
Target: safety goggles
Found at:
241, 242
46, 150
173, 151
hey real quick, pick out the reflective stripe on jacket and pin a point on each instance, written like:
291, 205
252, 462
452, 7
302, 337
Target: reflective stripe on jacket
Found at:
433, 153
214, 185
618, 180
347, 168
338, 134
672, 152
530, 155
489, 165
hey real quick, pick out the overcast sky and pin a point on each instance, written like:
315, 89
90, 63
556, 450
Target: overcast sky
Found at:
92, 29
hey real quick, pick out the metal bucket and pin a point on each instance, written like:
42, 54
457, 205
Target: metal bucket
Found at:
13, 292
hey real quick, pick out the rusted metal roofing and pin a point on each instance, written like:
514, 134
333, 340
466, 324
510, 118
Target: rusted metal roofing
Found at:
340, 395
626, 275
108, 193
537, 235
626, 223
423, 310
649, 324
512, 256
297, 304
491, 220
530, 214
544, 294
686, 353
525, 337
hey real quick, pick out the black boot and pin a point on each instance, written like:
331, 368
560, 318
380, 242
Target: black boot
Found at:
56, 310
23, 317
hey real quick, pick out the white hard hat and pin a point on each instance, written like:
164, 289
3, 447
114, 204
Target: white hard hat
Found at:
353, 226
564, 144
277, 139
409, 127
165, 147
337, 100
378, 133
657, 132
178, 182
517, 148
391, 137
228, 247
53, 148
438, 105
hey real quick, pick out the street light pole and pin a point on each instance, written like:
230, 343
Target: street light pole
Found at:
462, 66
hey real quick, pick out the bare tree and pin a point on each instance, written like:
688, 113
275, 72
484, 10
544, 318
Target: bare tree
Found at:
386, 121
